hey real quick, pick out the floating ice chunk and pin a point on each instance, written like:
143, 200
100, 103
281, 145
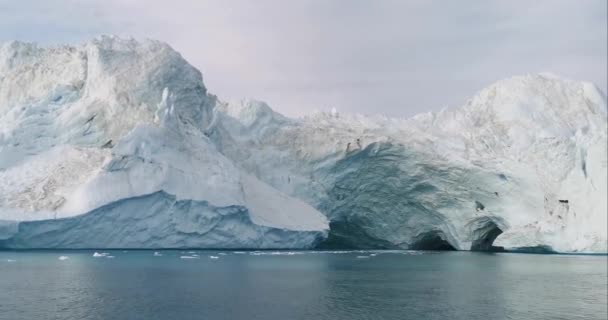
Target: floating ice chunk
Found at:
103, 254
63, 258
329, 252
157, 254
214, 257
283, 253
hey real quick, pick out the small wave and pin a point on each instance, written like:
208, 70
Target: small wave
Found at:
214, 257
63, 258
188, 257
157, 254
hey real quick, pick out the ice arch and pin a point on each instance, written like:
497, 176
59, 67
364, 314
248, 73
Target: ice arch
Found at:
483, 232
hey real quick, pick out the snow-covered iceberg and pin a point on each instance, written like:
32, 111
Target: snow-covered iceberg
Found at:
104, 145
117, 143
522, 163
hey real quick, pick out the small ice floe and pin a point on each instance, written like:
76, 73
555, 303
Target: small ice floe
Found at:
285, 253
63, 258
188, 257
362, 257
99, 255
329, 252
157, 254
214, 257
413, 252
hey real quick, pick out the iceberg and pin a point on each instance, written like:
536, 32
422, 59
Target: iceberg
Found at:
118, 144
521, 166
96, 137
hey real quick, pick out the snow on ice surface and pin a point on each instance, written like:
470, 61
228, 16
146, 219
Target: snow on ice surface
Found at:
121, 139
527, 155
87, 129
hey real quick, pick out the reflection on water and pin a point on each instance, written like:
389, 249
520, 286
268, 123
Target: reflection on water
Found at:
301, 285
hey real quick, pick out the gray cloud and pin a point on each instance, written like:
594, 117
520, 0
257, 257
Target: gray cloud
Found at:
392, 57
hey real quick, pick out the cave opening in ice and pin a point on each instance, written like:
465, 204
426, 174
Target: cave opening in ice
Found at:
352, 235
434, 240
485, 230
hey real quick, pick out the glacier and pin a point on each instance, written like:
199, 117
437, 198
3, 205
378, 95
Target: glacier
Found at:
116, 143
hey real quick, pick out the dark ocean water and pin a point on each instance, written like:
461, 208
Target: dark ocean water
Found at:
301, 285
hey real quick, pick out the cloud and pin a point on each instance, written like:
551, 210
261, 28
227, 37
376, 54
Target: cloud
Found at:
392, 57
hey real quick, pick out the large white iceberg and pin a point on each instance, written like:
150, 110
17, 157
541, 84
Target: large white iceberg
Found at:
523, 162
104, 145
117, 143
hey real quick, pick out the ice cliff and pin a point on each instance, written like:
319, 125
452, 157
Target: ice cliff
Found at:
117, 143
104, 145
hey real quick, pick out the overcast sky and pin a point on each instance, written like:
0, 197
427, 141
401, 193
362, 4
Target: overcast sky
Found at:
393, 57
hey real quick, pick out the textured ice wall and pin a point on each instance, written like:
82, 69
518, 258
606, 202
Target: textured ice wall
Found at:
525, 157
158, 220
103, 126
114, 121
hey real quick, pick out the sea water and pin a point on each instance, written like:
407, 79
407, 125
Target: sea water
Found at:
332, 285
